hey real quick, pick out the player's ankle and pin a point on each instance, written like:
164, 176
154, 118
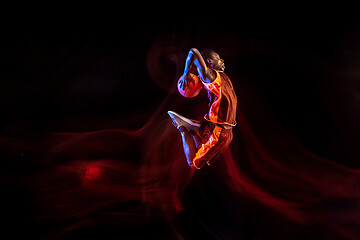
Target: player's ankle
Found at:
182, 129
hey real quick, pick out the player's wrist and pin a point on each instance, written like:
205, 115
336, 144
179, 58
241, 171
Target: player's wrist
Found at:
186, 74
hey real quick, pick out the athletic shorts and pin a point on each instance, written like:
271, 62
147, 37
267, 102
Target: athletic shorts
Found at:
215, 140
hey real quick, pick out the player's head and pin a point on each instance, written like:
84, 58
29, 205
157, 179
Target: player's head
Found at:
213, 60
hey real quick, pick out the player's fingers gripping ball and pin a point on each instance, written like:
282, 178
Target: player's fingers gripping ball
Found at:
189, 87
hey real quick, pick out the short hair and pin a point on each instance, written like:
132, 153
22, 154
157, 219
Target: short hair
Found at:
207, 53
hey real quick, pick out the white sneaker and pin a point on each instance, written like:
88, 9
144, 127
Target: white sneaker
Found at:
179, 120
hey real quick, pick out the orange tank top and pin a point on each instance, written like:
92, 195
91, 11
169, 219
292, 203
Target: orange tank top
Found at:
223, 100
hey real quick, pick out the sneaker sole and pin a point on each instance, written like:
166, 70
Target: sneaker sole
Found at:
176, 117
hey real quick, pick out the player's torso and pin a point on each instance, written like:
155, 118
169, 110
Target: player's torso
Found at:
223, 100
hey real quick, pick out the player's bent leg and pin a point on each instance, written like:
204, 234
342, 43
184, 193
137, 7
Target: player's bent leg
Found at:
218, 142
188, 145
189, 130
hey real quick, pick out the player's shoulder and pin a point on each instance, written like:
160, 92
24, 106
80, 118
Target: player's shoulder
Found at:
222, 74
211, 76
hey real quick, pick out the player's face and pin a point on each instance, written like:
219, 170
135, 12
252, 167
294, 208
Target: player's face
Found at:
217, 63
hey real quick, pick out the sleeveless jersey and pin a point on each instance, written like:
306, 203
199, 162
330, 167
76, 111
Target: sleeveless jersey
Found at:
223, 100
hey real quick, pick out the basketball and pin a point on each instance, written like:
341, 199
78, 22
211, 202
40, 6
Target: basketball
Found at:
192, 89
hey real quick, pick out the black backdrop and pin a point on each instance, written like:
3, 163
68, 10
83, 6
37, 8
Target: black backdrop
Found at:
92, 75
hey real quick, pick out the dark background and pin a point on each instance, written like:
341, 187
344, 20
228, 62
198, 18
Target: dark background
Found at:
87, 75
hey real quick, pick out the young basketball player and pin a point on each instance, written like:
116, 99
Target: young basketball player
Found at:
203, 141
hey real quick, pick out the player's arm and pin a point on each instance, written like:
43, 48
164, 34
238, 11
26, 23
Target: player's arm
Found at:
194, 57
